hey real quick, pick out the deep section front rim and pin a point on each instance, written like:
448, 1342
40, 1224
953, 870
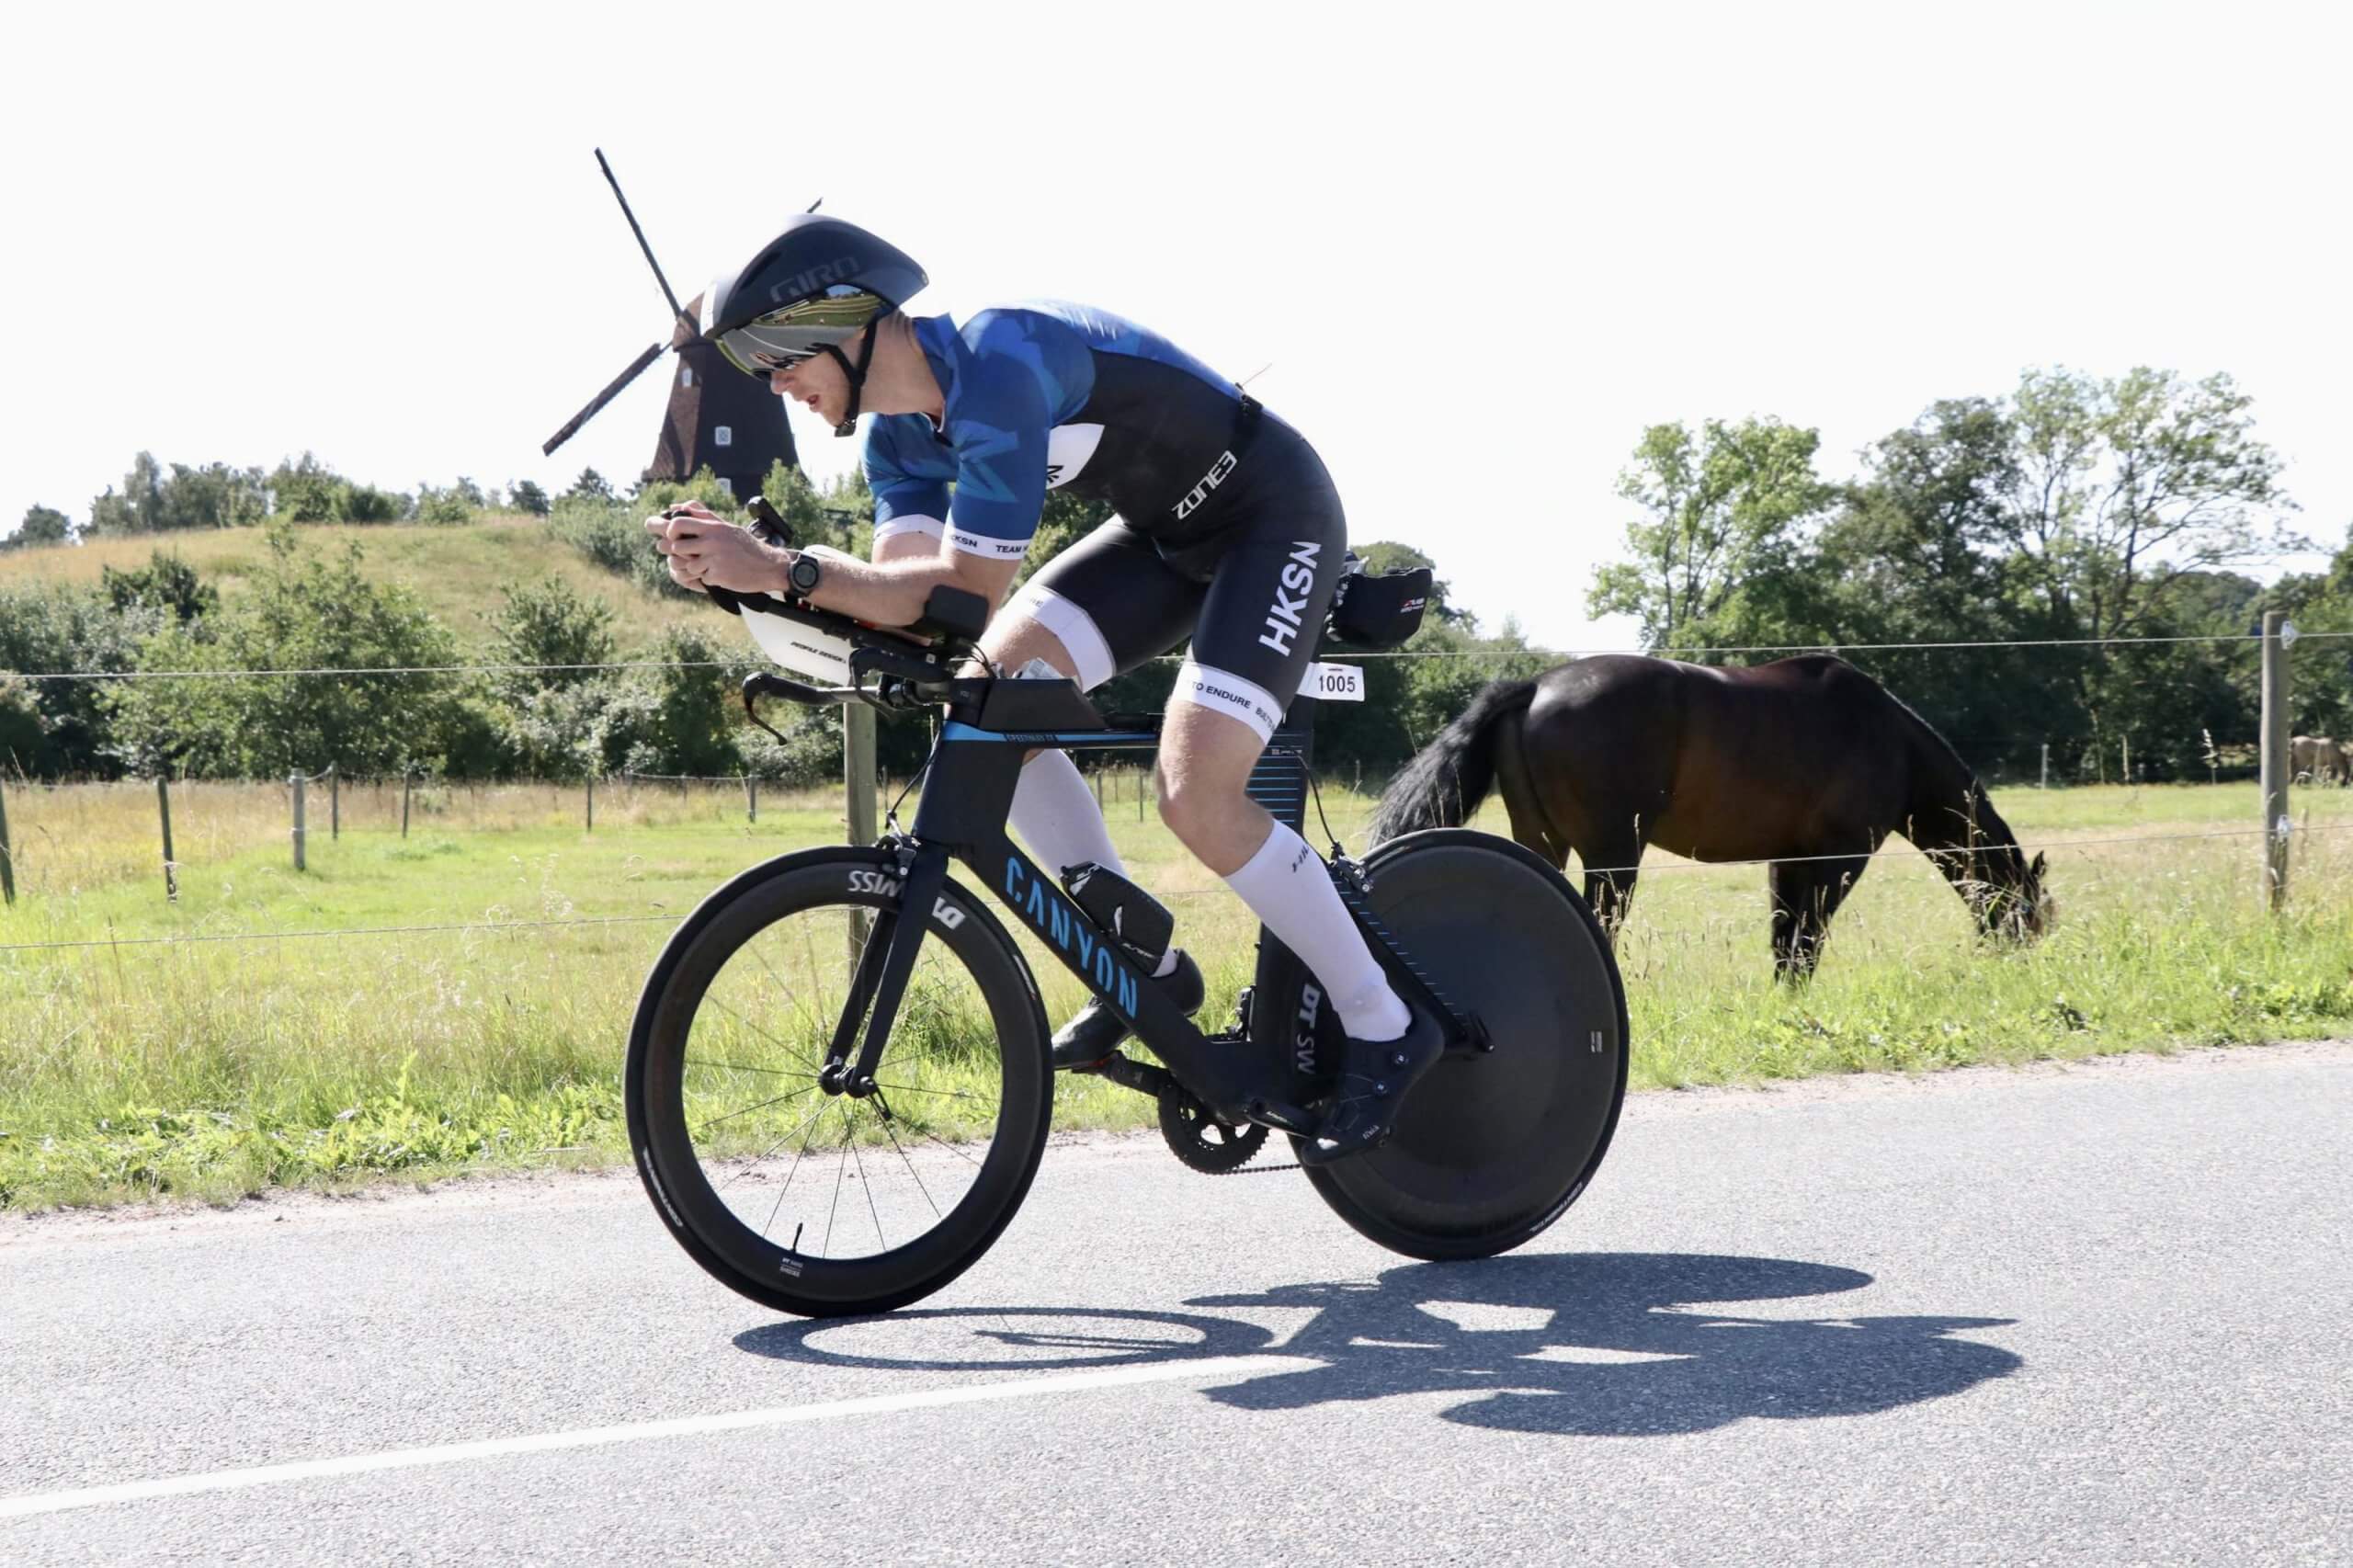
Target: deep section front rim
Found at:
820, 1204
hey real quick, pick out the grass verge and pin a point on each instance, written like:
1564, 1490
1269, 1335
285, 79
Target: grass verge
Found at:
212, 1069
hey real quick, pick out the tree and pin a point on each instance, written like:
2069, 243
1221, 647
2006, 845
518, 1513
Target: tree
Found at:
527, 496
213, 496
591, 485
47, 629
553, 717
309, 492
42, 525
550, 623
2124, 487
1723, 509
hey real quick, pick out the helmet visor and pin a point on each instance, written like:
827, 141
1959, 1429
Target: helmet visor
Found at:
784, 338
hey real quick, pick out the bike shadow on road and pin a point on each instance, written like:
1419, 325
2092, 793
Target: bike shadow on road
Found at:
1582, 1343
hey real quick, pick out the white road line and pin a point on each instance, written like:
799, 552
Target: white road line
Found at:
681, 1426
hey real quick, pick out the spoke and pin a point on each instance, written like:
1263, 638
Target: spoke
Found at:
863, 1180
893, 1134
757, 1030
810, 1121
944, 1094
952, 1148
749, 1110
793, 994
839, 1166
739, 1067
793, 1172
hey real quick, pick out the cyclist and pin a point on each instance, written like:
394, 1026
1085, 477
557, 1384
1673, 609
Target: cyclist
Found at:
1228, 530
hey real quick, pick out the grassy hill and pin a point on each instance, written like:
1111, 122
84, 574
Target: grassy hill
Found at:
459, 571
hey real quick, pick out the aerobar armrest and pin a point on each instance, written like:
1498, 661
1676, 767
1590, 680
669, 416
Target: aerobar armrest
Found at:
953, 612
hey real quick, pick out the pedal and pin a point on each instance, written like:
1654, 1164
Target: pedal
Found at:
1281, 1117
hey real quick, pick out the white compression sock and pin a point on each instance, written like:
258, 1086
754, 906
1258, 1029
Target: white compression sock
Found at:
1055, 813
1286, 886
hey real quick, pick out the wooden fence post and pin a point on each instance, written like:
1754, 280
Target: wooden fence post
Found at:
2128, 759
334, 802
751, 799
2276, 636
7, 856
592, 803
2045, 784
171, 866
298, 781
407, 777
858, 771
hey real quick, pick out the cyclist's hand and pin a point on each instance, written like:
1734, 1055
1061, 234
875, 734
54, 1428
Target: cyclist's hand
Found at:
705, 550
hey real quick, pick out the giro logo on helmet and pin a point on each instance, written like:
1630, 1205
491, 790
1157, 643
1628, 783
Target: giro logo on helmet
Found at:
817, 278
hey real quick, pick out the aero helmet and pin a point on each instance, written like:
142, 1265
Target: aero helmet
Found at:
810, 289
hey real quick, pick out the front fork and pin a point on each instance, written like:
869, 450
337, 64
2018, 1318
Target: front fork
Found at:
883, 968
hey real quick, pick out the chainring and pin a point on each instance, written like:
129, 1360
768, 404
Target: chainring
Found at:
1200, 1140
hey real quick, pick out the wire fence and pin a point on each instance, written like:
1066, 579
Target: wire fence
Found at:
750, 662
2236, 758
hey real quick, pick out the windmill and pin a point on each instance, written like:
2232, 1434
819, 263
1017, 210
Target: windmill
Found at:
718, 418
721, 419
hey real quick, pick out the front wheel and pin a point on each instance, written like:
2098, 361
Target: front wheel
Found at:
1491, 1146
818, 1204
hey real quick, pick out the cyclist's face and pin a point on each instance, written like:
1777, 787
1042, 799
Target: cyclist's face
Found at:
816, 383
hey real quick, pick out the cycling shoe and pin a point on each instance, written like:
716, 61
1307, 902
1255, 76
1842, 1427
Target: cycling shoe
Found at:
1374, 1076
1088, 1039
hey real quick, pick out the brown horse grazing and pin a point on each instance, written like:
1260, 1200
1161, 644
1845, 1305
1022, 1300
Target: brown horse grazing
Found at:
1806, 763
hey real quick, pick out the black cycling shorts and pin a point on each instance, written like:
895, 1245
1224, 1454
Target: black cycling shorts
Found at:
1252, 596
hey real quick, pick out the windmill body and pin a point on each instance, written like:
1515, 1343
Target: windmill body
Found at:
722, 420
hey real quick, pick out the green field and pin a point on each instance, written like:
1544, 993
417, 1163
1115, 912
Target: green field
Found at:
217, 1068
460, 571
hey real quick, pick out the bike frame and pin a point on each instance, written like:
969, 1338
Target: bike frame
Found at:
967, 798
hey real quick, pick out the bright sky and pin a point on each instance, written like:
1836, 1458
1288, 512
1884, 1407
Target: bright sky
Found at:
1481, 247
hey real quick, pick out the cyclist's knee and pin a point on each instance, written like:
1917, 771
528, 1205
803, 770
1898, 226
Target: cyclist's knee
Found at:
1214, 818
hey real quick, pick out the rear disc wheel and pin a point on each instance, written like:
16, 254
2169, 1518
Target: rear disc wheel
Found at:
1490, 1147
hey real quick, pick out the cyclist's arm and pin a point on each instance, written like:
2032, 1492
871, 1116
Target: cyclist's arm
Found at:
892, 591
1000, 447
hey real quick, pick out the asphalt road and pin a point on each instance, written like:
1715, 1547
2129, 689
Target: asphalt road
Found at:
2095, 1314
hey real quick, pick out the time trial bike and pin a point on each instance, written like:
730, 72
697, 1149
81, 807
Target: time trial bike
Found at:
838, 1080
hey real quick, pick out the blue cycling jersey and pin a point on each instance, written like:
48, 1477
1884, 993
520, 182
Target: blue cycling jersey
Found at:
1048, 394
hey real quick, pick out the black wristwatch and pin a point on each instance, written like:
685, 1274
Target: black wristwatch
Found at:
803, 574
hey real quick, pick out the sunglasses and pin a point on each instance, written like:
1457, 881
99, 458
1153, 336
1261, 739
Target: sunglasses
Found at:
802, 330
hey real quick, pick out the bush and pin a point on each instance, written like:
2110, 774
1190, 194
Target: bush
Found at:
300, 613
167, 585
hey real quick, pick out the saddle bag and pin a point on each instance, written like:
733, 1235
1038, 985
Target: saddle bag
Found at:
1379, 610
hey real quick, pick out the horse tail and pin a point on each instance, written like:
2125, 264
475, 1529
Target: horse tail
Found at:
1446, 778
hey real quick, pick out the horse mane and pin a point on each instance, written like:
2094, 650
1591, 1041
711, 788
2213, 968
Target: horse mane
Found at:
1982, 814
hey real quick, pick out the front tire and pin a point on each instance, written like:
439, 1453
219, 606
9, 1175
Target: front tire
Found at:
826, 1205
